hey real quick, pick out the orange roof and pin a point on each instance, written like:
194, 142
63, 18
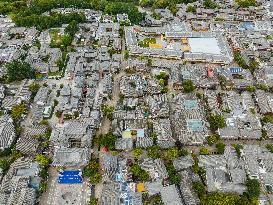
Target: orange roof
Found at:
140, 187
155, 45
186, 48
184, 40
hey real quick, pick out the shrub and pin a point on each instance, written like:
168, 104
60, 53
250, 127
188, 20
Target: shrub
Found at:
216, 121
204, 151
137, 152
139, 174
188, 86
220, 147
153, 152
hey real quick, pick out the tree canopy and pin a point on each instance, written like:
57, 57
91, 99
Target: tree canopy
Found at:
209, 4
188, 86
19, 70
153, 152
199, 188
139, 174
17, 111
172, 153
42, 160
42, 22
246, 3
108, 111
33, 88
108, 140
92, 171
137, 152
204, 151
253, 189
191, 9
216, 121
220, 147
174, 178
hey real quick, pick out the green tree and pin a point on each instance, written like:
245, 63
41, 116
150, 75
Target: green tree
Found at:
220, 147
161, 82
246, 3
146, 3
44, 122
212, 139
43, 173
191, 9
108, 140
182, 152
42, 160
149, 62
72, 28
199, 188
96, 178
188, 86
4, 164
165, 89
93, 201
139, 174
91, 168
5, 152
174, 178
92, 172
153, 152
251, 88
195, 167
238, 148
204, 151
173, 8
59, 62
108, 111
262, 87
239, 60
162, 75
267, 119
269, 147
43, 187
34, 88
253, 189
217, 198
209, 4
126, 54
76, 114
56, 102
216, 121
17, 112
19, 70
58, 114
253, 66
172, 153
137, 152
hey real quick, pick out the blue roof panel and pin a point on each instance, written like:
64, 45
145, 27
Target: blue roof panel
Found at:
235, 70
70, 177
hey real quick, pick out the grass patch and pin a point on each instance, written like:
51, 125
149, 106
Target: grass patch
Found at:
56, 39
145, 42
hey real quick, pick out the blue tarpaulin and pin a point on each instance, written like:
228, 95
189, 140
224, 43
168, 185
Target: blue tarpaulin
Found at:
70, 177
69, 173
234, 70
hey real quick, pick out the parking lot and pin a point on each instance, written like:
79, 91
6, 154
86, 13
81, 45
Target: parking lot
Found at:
65, 194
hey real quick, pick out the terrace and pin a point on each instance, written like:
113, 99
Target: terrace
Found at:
171, 43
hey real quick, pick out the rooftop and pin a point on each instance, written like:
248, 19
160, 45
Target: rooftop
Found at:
204, 45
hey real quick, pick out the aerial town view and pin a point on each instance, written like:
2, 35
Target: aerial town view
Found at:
136, 102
